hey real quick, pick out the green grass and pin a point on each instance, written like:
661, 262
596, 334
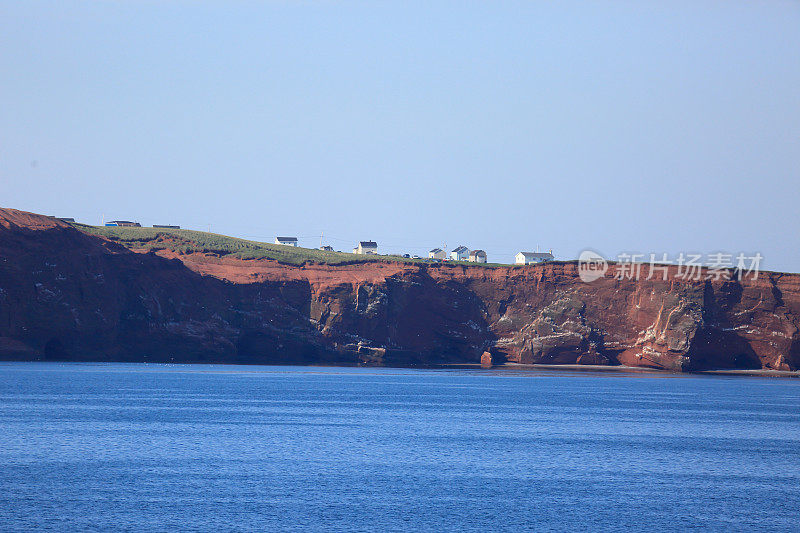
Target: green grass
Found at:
184, 241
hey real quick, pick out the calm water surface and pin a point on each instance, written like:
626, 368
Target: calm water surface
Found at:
164, 447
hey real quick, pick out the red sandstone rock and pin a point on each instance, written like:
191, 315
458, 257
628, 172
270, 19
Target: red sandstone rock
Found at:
486, 360
67, 295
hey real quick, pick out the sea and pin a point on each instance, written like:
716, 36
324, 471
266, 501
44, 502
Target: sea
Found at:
147, 447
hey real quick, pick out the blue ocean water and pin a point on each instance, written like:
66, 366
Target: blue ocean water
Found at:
225, 448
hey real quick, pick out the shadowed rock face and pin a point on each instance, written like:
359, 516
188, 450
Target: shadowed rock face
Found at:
69, 296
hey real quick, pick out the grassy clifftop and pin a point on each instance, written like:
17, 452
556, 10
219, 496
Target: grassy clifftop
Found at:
184, 241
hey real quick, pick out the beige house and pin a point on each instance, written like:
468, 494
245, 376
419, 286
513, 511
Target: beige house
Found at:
477, 256
437, 253
366, 248
527, 258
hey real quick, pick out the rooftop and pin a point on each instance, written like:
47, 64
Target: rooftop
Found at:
536, 254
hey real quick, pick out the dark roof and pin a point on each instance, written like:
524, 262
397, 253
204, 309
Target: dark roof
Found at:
121, 222
461, 249
368, 244
476, 252
435, 251
536, 254
286, 238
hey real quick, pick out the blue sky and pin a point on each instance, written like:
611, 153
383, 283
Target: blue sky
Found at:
618, 126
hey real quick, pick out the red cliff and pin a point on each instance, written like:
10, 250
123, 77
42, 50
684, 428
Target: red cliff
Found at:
68, 295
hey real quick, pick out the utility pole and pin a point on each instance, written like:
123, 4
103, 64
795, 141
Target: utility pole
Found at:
322, 234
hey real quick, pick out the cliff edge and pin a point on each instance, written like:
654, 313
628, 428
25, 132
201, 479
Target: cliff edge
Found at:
67, 295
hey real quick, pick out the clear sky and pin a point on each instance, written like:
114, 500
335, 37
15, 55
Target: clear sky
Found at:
619, 126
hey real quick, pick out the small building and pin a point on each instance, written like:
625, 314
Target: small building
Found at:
165, 226
286, 241
527, 258
123, 223
66, 219
460, 254
326, 248
437, 253
366, 248
477, 256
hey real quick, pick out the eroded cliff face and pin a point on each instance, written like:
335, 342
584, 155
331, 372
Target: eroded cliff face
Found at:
67, 295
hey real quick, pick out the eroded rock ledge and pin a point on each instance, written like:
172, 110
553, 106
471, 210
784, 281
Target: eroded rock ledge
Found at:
65, 295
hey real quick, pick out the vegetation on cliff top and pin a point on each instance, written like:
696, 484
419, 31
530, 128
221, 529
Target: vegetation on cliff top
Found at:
184, 241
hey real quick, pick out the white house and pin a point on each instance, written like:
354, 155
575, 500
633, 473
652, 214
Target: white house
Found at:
460, 254
366, 247
286, 241
477, 256
527, 258
326, 248
437, 253
125, 223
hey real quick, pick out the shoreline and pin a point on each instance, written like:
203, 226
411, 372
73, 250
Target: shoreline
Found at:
634, 369
766, 373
